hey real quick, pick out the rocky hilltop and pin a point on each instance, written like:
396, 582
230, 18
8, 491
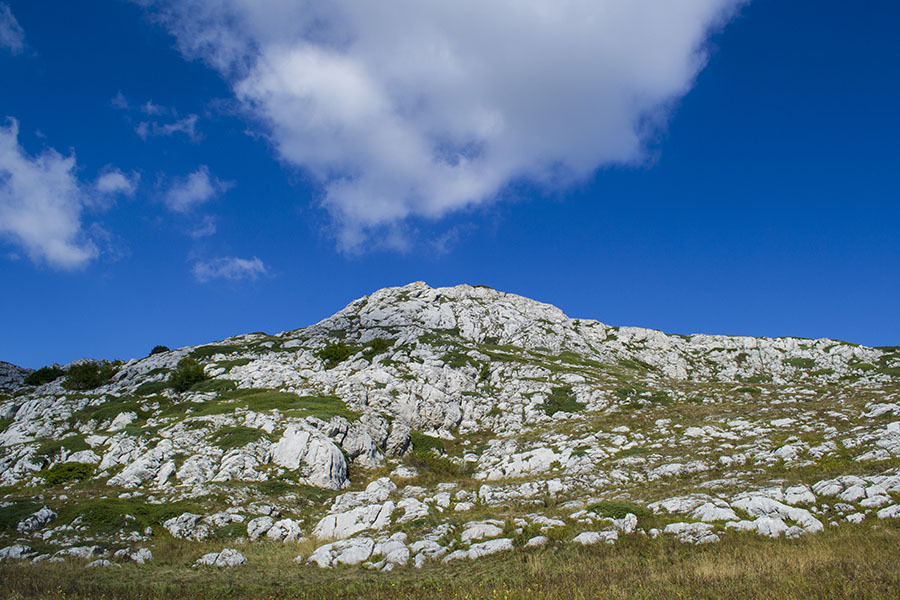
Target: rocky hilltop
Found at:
421, 424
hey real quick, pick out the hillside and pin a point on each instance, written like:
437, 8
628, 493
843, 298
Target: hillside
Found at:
422, 425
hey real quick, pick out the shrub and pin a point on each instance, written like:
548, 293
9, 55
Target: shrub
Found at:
425, 443
159, 350
88, 376
44, 375
800, 363
748, 389
186, 374
617, 510
334, 354
66, 472
376, 347
561, 399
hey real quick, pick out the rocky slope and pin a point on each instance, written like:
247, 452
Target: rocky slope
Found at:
421, 424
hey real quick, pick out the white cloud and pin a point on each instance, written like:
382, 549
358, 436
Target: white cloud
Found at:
12, 37
231, 268
195, 189
114, 181
41, 201
187, 126
416, 108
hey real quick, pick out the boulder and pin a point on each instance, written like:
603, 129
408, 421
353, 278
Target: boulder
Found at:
228, 557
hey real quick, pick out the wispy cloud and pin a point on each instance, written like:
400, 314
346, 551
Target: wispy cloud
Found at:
12, 37
230, 268
193, 190
412, 108
164, 121
41, 204
206, 228
187, 126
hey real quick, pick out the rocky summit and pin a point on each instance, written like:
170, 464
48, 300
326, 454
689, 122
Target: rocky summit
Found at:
425, 424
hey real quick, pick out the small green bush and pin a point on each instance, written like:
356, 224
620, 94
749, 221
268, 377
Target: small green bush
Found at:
561, 399
66, 472
800, 363
188, 373
425, 443
747, 389
158, 350
617, 510
376, 347
88, 376
44, 375
334, 354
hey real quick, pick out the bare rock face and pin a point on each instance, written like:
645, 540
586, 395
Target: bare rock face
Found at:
320, 462
12, 376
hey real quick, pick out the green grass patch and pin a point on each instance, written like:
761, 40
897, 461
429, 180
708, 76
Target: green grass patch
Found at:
214, 385
230, 364
322, 407
11, 515
111, 515
238, 436
150, 388
207, 352
109, 410
73, 443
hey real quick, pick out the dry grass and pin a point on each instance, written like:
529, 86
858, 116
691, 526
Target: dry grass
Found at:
847, 562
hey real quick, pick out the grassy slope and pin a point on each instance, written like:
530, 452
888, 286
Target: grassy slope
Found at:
845, 562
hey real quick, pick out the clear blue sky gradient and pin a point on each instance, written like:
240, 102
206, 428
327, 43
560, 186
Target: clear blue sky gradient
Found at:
771, 206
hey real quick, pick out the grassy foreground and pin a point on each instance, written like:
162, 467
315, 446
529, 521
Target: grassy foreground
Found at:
845, 562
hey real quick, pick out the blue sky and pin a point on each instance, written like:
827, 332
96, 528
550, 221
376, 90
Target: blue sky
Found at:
170, 174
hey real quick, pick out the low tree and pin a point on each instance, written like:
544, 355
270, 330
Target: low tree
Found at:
158, 350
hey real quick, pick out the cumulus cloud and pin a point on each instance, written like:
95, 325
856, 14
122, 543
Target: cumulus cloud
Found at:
12, 37
416, 108
41, 204
193, 190
231, 268
114, 181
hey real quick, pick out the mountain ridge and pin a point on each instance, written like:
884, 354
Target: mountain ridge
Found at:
430, 403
